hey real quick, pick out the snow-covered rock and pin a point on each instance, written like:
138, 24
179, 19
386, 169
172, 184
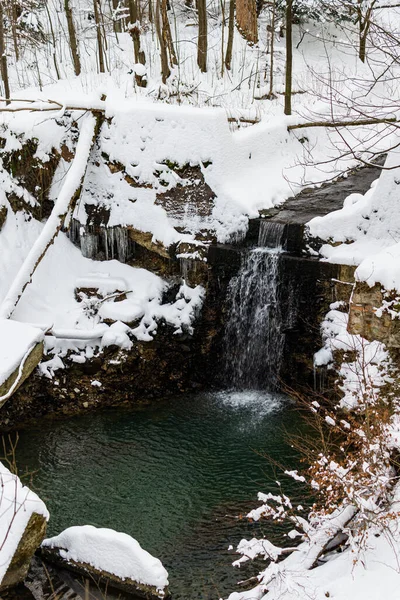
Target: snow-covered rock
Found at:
18, 354
23, 518
110, 555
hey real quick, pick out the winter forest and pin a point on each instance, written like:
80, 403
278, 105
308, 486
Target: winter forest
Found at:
199, 299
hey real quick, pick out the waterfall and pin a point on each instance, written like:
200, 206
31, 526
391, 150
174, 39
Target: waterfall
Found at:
271, 234
254, 336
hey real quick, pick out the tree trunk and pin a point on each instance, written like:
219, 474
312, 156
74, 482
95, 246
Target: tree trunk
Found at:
134, 29
202, 39
72, 38
231, 33
272, 48
167, 32
13, 20
54, 43
98, 34
165, 70
289, 58
116, 22
3, 57
246, 18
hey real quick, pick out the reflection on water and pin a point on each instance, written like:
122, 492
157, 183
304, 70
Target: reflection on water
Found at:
175, 476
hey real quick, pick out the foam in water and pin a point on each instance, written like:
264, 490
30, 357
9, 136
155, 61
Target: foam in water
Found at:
262, 403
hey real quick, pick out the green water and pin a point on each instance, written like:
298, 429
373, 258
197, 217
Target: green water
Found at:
174, 476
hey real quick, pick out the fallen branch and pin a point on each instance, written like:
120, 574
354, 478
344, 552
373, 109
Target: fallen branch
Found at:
51, 106
65, 203
336, 124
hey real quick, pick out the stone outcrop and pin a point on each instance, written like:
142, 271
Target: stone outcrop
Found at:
372, 314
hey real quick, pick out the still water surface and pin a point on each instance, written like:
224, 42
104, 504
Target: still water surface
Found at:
174, 475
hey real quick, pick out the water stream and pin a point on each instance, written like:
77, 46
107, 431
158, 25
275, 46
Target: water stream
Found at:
175, 476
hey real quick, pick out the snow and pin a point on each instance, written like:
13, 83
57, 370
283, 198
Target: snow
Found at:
369, 367
111, 551
69, 188
368, 228
17, 504
16, 342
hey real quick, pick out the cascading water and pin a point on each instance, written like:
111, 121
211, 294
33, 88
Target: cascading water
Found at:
254, 341
271, 234
262, 307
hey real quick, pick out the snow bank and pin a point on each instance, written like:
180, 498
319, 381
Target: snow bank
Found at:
16, 341
365, 231
17, 504
110, 551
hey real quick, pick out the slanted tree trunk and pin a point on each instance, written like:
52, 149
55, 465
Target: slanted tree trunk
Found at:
72, 38
231, 32
202, 38
289, 57
99, 37
64, 204
3, 57
246, 18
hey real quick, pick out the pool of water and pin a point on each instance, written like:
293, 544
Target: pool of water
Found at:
176, 476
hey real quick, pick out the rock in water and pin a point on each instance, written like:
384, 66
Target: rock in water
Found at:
110, 559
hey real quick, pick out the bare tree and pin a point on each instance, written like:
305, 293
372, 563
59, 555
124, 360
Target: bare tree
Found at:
72, 38
202, 37
165, 70
3, 56
100, 51
289, 58
231, 33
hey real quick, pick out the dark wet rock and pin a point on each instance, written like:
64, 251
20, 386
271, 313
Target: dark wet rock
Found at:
32, 174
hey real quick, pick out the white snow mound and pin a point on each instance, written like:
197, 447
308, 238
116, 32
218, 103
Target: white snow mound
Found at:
110, 551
